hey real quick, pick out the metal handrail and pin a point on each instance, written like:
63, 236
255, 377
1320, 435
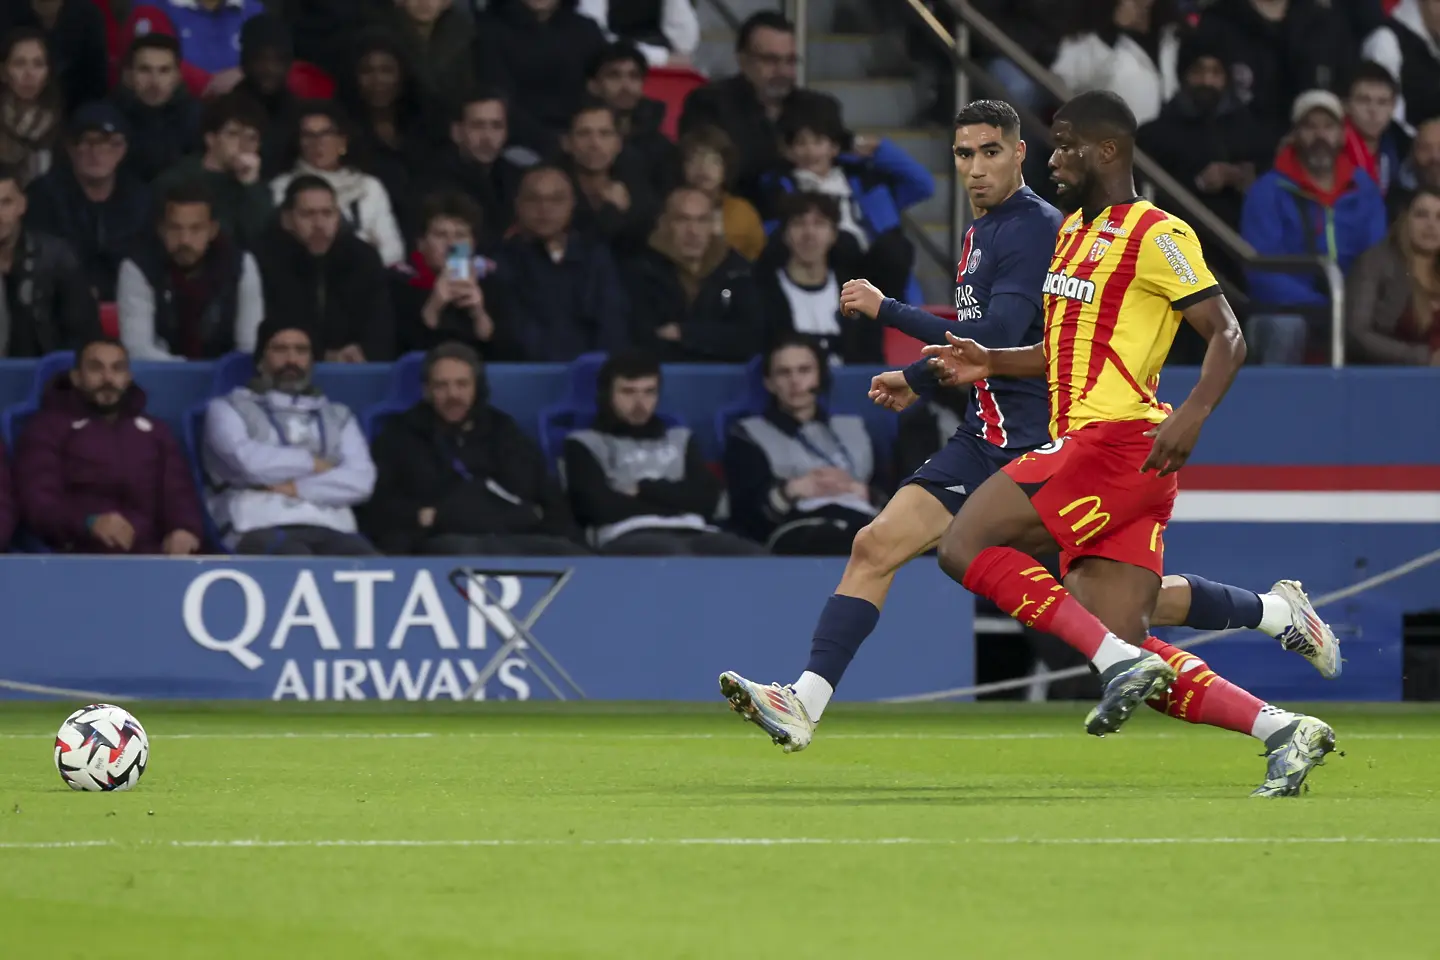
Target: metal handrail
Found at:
966, 72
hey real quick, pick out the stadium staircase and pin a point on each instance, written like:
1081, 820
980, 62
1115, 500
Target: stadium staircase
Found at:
861, 58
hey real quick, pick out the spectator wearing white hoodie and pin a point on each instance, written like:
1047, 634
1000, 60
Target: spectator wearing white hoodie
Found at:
363, 200
285, 465
1131, 50
1408, 45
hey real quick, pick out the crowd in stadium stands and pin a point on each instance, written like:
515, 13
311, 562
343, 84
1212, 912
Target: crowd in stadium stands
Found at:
487, 182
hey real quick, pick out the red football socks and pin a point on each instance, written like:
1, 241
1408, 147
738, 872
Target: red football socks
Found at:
1199, 695
1028, 592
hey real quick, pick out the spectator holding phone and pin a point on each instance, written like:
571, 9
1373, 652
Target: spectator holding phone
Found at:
444, 292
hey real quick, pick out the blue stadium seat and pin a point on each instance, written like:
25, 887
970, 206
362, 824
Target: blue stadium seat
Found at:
373, 419
192, 430
13, 421
231, 371
576, 411
46, 369
753, 401
405, 373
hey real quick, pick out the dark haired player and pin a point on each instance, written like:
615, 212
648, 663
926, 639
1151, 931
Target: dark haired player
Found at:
1123, 274
999, 303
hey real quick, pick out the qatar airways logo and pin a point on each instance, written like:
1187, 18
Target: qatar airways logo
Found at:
1071, 288
967, 307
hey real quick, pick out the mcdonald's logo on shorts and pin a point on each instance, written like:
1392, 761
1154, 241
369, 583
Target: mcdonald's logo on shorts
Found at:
1095, 518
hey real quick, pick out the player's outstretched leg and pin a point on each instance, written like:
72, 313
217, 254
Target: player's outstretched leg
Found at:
1284, 613
1294, 744
990, 548
909, 525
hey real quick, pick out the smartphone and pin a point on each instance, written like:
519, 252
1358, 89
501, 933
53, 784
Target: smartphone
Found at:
457, 262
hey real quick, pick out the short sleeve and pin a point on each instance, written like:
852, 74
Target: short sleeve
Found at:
1172, 265
1023, 249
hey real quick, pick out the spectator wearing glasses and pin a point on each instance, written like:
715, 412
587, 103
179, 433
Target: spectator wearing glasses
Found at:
163, 118
748, 105
100, 209
230, 168
188, 292
30, 106
363, 201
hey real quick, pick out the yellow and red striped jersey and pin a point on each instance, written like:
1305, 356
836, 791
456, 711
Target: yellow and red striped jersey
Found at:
1113, 301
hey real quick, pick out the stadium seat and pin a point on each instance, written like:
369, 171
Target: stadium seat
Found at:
12, 423
110, 320
231, 371
192, 430
901, 350
46, 369
309, 82
577, 410
754, 401
374, 418
671, 86
405, 374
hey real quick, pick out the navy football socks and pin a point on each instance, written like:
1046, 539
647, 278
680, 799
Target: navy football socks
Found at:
844, 624
1219, 606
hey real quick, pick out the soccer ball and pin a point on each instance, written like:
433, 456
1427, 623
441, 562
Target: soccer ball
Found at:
101, 747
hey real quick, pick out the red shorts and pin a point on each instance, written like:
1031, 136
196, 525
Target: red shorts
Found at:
1092, 497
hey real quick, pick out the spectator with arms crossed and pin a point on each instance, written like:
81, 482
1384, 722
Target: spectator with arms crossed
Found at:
284, 464
95, 474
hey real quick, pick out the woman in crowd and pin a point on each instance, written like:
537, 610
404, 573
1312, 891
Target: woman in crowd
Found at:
1393, 296
29, 103
707, 160
803, 294
324, 145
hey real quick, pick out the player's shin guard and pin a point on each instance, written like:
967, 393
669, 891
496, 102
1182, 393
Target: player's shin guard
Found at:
1200, 695
1024, 589
844, 624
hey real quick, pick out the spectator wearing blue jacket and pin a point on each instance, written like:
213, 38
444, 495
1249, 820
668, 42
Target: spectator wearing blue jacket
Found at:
873, 181
209, 30
1315, 201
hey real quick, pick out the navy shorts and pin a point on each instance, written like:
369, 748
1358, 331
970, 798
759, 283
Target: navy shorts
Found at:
965, 462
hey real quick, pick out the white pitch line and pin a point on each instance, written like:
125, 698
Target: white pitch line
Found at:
736, 735
248, 844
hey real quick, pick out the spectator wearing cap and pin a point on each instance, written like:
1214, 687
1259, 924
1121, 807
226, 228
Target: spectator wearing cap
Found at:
1278, 49
538, 50
1375, 141
96, 206
96, 473
1127, 48
188, 292
748, 105
321, 130
438, 40
871, 180
75, 37
482, 163
1407, 45
30, 104
285, 465
1208, 140
210, 32
564, 284
614, 197
666, 32
445, 292
266, 54
692, 297
708, 161
1315, 201
616, 78
319, 275
45, 303
229, 167
163, 119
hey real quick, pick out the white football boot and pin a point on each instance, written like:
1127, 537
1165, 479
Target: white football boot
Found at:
1307, 634
1290, 763
774, 709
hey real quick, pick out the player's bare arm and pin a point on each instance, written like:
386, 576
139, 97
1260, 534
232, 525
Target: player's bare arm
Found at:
964, 361
1224, 354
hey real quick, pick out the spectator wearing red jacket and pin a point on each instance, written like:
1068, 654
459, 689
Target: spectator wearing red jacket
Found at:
95, 474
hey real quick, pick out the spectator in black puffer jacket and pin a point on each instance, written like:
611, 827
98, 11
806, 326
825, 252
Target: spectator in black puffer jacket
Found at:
616, 77
457, 476
164, 119
1278, 52
537, 50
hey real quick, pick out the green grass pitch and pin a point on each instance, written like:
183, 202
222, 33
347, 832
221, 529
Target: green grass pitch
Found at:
545, 831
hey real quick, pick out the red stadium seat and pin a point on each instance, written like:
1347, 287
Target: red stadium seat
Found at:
671, 86
309, 82
110, 319
900, 349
